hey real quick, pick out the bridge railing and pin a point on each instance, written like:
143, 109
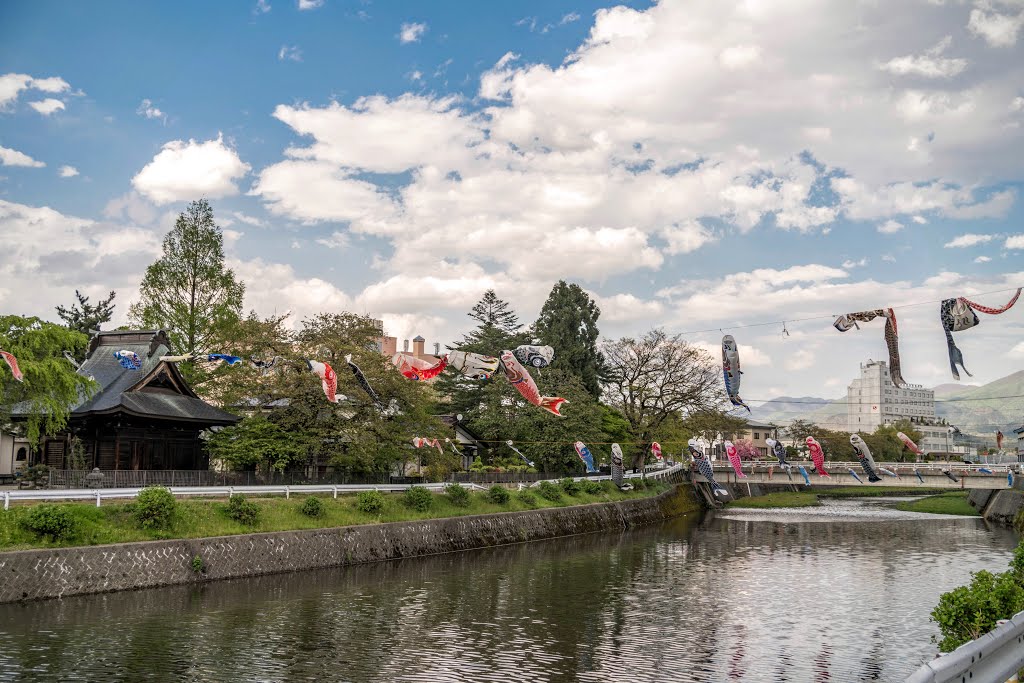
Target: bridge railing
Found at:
996, 656
830, 465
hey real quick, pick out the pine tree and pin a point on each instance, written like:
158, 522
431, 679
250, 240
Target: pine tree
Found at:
568, 323
492, 311
188, 291
85, 317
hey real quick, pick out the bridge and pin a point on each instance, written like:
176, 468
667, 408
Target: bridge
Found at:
932, 476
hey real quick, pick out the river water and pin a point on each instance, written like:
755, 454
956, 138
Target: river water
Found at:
838, 593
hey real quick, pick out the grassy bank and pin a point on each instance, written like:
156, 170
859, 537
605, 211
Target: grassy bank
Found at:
809, 498
117, 522
949, 503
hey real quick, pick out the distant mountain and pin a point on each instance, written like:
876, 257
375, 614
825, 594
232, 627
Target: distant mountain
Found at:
986, 408
974, 409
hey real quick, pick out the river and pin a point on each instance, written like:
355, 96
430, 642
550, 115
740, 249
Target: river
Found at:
837, 593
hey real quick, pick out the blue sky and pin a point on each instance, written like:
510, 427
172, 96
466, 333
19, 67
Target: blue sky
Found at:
693, 164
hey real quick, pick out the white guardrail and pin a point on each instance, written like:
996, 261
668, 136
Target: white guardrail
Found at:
995, 657
100, 495
648, 473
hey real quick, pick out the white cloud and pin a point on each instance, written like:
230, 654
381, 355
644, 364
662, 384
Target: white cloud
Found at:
569, 18
187, 170
998, 29
262, 7
620, 308
888, 258
1017, 104
1014, 242
928, 65
411, 32
920, 220
310, 4
150, 111
291, 52
739, 56
68, 171
849, 263
968, 240
982, 259
12, 84
686, 237
1017, 351
57, 253
248, 220
888, 227
47, 106
12, 157
801, 359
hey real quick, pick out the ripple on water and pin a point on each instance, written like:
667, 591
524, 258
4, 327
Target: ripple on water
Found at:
744, 595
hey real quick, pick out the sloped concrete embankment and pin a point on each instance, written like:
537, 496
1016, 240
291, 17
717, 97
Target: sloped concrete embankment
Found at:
1001, 506
41, 574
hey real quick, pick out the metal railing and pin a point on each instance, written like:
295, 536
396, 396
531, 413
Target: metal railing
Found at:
996, 656
665, 473
101, 494
112, 479
904, 467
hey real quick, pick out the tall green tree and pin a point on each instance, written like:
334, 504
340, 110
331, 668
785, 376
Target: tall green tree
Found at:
51, 387
568, 323
497, 329
84, 317
188, 291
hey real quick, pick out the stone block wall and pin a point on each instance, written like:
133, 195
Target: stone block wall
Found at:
41, 574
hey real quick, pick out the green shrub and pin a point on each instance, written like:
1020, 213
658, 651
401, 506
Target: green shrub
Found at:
53, 521
198, 566
498, 495
370, 502
968, 612
243, 511
458, 495
418, 498
155, 508
312, 507
591, 487
550, 491
570, 486
527, 498
639, 483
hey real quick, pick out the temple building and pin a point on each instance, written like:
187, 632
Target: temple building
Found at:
145, 419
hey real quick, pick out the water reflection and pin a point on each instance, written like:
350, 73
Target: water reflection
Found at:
735, 597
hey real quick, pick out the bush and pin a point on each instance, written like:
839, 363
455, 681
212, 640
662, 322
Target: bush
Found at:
498, 495
591, 487
198, 566
550, 491
418, 498
458, 495
155, 508
968, 612
370, 502
54, 521
639, 483
243, 511
570, 486
527, 498
312, 507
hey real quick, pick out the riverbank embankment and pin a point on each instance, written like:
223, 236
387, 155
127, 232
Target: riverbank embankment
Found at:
1003, 507
57, 572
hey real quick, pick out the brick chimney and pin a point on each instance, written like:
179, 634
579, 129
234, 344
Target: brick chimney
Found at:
389, 346
417, 346
405, 346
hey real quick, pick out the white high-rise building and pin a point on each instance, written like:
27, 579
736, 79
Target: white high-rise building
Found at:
873, 400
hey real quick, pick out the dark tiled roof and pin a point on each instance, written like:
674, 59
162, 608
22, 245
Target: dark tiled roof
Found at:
115, 381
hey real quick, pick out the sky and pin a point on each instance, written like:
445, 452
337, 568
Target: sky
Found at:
702, 166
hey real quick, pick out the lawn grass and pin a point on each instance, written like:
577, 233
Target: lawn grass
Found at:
948, 503
873, 491
115, 523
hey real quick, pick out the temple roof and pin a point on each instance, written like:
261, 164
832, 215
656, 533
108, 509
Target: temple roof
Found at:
156, 390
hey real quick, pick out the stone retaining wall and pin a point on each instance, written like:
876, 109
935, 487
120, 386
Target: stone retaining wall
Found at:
998, 506
41, 574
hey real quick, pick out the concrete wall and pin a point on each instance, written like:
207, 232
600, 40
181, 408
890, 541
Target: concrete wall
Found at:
40, 574
999, 506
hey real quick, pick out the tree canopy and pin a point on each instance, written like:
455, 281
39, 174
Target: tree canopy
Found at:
188, 291
51, 386
85, 317
568, 323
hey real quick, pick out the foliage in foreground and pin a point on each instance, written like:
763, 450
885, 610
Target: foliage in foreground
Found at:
968, 612
51, 521
243, 511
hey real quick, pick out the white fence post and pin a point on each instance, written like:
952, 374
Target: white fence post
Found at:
7, 500
98, 499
